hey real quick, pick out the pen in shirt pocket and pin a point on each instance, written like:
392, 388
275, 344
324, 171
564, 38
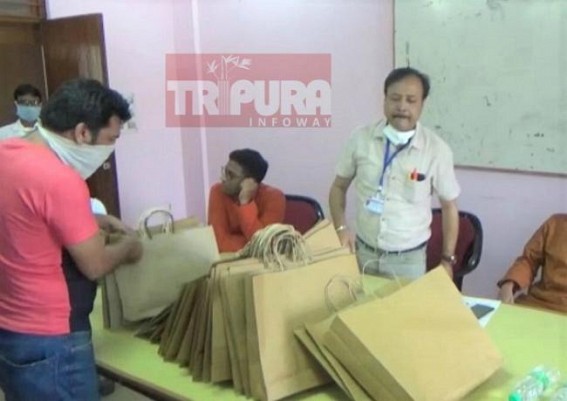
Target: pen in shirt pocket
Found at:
415, 176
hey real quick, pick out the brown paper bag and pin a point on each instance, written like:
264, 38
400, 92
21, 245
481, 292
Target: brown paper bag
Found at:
177, 325
197, 349
170, 259
219, 351
191, 331
322, 237
232, 289
111, 304
420, 343
314, 333
278, 303
311, 346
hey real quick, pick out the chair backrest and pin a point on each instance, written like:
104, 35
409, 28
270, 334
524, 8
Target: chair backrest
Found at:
469, 244
302, 212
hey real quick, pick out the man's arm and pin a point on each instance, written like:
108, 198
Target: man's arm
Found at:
68, 215
94, 259
218, 219
450, 227
337, 205
523, 271
253, 216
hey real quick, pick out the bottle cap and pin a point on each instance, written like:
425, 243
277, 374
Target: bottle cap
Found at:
515, 397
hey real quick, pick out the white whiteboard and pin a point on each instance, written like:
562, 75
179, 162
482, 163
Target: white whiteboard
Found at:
498, 72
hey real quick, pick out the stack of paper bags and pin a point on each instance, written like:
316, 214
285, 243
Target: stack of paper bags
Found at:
420, 343
238, 324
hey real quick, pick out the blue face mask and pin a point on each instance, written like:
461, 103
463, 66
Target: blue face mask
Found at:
28, 113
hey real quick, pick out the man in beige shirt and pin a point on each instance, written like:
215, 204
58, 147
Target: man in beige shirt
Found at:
397, 165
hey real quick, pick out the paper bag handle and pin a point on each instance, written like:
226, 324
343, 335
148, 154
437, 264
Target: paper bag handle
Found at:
277, 244
167, 226
354, 287
396, 278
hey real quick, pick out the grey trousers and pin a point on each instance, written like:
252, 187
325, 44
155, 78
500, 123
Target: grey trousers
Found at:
409, 265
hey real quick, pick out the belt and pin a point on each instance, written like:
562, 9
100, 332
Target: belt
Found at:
382, 251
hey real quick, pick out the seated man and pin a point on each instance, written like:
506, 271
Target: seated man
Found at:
240, 204
27, 99
546, 249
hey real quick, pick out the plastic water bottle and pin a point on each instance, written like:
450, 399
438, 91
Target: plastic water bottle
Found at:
560, 394
535, 384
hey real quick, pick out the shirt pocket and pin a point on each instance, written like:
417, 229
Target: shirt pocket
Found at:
417, 191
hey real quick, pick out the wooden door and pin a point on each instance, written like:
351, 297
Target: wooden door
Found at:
74, 47
20, 63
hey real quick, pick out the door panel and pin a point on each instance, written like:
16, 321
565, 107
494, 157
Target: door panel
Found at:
74, 47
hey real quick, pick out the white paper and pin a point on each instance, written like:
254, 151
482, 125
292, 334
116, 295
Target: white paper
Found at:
471, 301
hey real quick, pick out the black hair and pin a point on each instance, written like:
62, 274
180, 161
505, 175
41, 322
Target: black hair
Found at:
83, 101
252, 162
26, 89
400, 73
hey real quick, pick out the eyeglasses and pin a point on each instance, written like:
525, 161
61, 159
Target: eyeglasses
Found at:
228, 175
26, 102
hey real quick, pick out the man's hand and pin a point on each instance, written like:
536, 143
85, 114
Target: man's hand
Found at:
136, 249
111, 224
346, 237
506, 293
248, 188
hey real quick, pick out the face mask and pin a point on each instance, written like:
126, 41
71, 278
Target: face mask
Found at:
28, 113
84, 158
397, 138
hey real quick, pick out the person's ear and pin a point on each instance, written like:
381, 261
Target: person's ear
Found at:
82, 134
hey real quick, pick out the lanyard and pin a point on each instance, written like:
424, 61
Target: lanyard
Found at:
387, 161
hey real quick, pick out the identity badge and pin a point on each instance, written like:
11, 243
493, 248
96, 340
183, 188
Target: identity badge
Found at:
375, 204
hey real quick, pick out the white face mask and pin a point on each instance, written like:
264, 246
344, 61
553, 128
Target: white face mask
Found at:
84, 158
397, 138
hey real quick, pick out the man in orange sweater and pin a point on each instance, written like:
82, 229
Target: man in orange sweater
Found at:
547, 249
240, 204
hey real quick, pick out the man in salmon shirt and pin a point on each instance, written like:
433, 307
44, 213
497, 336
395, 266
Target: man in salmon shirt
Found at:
46, 296
547, 249
240, 204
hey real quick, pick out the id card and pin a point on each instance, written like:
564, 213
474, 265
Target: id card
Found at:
375, 204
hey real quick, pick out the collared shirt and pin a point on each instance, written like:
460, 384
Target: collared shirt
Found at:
406, 217
15, 129
547, 249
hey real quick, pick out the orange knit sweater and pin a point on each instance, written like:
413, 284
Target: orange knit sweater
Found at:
235, 224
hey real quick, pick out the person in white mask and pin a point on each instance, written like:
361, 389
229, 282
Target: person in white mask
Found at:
397, 165
27, 103
46, 295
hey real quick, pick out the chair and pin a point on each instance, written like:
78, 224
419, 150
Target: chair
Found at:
469, 245
302, 212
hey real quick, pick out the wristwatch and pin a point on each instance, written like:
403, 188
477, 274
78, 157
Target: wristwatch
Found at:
452, 259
